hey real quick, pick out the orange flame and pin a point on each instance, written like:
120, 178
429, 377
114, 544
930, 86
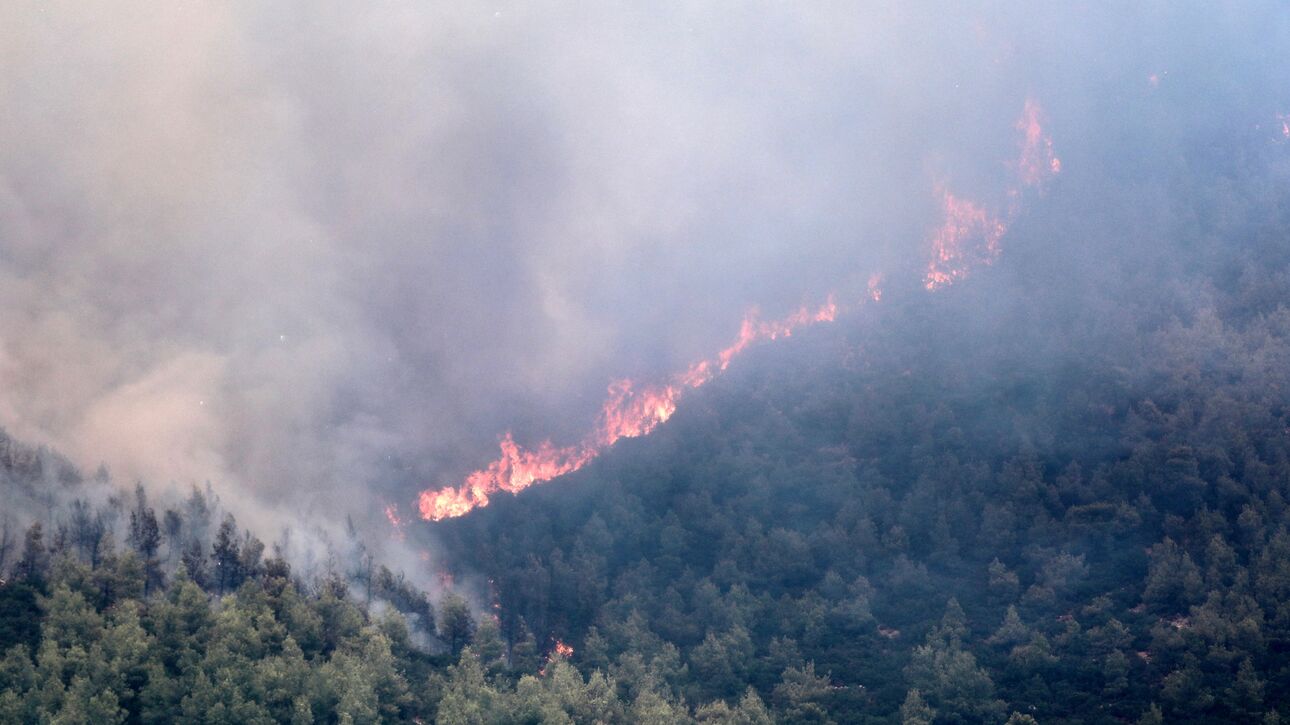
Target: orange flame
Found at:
629, 411
559, 649
969, 236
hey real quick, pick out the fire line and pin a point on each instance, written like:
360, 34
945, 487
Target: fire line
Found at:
968, 237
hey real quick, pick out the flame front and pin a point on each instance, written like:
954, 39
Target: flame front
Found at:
514, 470
629, 411
968, 237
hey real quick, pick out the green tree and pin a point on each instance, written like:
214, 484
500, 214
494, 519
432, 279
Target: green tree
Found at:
34, 561
468, 699
915, 710
145, 537
226, 556
456, 626
489, 645
1173, 581
949, 676
799, 693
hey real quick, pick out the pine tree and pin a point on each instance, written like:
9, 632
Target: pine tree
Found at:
35, 560
225, 557
145, 537
456, 626
915, 710
193, 562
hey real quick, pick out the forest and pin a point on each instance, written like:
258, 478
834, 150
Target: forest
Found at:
1056, 492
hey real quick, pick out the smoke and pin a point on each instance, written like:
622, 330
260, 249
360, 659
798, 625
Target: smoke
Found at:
322, 255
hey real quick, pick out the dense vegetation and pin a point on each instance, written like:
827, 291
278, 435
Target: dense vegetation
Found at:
1057, 492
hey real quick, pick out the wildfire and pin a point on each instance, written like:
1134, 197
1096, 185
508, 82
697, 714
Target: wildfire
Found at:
560, 650
629, 411
968, 237
1037, 161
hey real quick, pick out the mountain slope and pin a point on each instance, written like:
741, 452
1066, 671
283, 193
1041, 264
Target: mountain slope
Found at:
1059, 489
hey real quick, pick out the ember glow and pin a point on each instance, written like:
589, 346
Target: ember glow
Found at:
392, 515
967, 238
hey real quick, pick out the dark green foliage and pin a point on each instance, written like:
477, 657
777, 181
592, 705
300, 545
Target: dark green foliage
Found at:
226, 559
455, 623
19, 616
1056, 493
1092, 470
31, 567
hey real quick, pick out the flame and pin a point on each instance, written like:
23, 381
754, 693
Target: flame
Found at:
629, 411
515, 470
392, 515
753, 330
1037, 161
875, 287
1284, 118
559, 649
969, 236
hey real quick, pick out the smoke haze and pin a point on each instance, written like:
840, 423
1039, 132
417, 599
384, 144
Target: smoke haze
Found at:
306, 250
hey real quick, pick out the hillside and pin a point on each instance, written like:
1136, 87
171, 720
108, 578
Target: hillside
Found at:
1058, 490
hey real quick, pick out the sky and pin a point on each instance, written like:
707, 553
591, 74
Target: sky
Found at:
323, 254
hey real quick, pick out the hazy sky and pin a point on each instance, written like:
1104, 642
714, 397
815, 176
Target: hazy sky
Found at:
302, 247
